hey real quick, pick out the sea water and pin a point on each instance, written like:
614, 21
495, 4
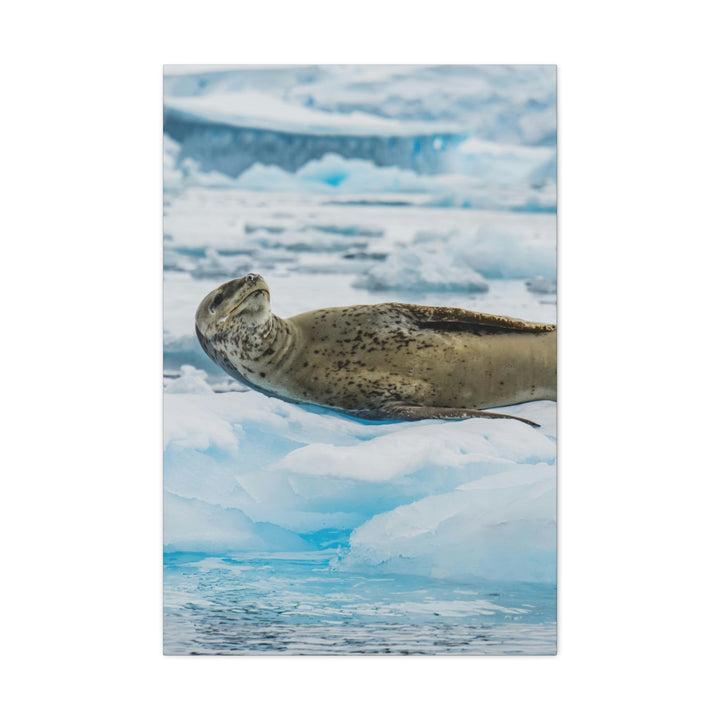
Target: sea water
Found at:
298, 604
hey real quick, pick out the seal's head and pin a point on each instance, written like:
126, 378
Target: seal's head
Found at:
236, 311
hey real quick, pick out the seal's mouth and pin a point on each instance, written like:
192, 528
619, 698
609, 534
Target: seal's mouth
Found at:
242, 301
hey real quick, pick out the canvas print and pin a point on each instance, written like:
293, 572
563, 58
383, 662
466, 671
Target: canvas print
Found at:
359, 360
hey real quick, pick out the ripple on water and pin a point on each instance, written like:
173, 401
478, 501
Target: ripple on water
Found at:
255, 605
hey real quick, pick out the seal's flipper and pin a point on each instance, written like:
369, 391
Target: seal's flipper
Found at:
413, 412
457, 319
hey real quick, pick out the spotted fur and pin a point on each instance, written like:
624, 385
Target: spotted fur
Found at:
386, 361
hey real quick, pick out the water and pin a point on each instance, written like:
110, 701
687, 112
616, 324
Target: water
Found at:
297, 605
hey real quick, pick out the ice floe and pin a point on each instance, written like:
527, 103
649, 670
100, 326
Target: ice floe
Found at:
500, 527
197, 526
541, 285
420, 271
315, 473
333, 175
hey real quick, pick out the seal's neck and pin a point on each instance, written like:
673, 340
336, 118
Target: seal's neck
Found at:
249, 345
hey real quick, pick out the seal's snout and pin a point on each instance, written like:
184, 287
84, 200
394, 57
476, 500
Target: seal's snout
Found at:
245, 284
248, 296
239, 288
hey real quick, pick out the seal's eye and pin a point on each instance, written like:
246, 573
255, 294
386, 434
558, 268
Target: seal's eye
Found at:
216, 301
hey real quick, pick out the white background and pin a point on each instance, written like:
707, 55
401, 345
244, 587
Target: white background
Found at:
81, 300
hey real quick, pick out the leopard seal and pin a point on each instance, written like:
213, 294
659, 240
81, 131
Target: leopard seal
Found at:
390, 361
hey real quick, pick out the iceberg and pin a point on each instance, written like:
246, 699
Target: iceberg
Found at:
230, 142
494, 125
512, 104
